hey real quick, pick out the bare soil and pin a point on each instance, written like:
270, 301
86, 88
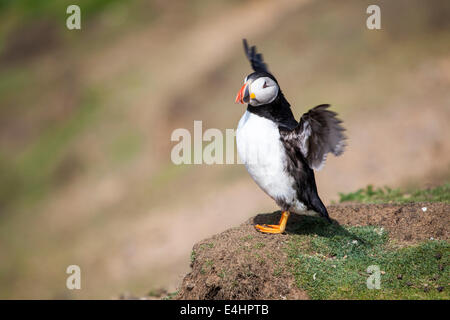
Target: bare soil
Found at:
405, 222
242, 263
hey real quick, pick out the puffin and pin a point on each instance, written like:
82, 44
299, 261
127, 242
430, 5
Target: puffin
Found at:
279, 152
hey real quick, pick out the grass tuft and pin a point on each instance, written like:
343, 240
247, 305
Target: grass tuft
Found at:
386, 194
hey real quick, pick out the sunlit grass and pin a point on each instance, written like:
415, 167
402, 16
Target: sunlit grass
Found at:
330, 262
386, 194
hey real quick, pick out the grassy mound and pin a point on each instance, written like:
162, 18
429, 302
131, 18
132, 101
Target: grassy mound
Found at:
406, 244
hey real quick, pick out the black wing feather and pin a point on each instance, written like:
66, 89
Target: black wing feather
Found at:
318, 133
256, 59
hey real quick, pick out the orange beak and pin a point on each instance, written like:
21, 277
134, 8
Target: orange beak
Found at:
243, 95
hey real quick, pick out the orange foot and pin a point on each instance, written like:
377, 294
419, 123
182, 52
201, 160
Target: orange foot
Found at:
272, 228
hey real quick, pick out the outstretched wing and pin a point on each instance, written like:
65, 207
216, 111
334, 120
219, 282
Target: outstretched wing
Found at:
318, 133
256, 59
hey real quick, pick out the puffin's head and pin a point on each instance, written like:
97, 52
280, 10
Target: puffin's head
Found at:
259, 88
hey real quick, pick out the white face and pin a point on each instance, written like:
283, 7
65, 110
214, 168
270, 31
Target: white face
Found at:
262, 91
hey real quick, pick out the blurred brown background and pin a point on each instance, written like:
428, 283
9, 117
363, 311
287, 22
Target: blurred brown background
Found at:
86, 118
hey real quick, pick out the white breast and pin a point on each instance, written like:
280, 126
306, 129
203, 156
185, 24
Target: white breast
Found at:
263, 154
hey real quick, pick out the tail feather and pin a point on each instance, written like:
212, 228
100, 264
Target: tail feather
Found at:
318, 206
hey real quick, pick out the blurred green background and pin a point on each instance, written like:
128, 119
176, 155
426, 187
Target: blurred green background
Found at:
86, 117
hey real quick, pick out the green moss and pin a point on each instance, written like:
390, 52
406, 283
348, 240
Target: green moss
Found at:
193, 256
332, 264
222, 274
247, 238
209, 263
259, 245
259, 258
